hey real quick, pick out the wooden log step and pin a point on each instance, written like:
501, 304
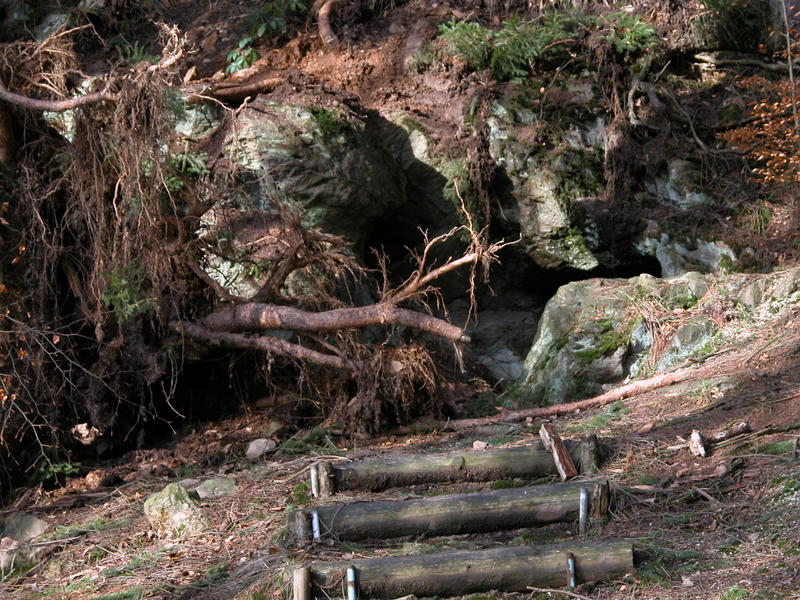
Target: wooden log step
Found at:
452, 514
460, 572
474, 465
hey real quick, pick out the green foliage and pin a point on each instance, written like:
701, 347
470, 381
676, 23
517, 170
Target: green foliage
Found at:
516, 44
471, 42
511, 51
629, 34
775, 448
133, 53
423, 58
315, 440
734, 592
98, 524
122, 293
242, 56
51, 466
301, 494
273, 17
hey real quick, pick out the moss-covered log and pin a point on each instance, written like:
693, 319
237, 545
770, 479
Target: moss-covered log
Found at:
452, 514
455, 573
478, 465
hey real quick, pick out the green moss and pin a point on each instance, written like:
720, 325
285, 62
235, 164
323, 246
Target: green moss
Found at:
331, 123
609, 339
301, 494
612, 413
776, 448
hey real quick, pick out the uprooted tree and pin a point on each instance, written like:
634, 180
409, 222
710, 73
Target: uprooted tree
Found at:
107, 234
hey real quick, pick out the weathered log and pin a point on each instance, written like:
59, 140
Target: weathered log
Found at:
454, 513
301, 583
469, 465
460, 572
555, 445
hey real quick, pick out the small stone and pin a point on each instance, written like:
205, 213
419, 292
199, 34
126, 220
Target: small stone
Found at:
20, 528
258, 447
189, 482
214, 488
23, 527
172, 511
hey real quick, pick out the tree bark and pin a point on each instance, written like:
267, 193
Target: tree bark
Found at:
527, 462
54, 105
263, 342
324, 25
456, 514
256, 316
462, 572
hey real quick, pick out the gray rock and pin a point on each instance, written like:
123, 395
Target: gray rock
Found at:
787, 284
689, 339
323, 162
752, 295
500, 340
579, 345
680, 186
198, 120
173, 512
23, 527
590, 336
258, 447
18, 529
548, 184
213, 488
677, 258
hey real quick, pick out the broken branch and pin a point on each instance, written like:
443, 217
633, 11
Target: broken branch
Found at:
254, 316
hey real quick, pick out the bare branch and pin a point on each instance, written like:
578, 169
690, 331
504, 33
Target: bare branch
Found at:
54, 105
256, 316
263, 342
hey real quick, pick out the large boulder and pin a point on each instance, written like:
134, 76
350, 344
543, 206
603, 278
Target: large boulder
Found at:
551, 177
321, 160
600, 331
591, 335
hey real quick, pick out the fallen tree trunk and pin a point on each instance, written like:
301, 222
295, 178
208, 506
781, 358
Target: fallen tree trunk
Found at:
476, 465
460, 572
451, 514
620, 393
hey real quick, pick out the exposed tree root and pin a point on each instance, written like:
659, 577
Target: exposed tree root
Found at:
324, 25
230, 92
